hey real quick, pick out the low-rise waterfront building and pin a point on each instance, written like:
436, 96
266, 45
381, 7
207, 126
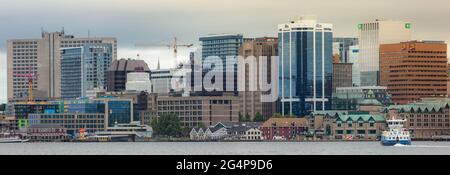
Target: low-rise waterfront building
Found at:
425, 119
72, 122
46, 133
7, 124
358, 126
242, 130
320, 123
210, 133
284, 128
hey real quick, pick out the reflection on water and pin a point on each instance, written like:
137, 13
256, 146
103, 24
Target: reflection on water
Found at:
227, 148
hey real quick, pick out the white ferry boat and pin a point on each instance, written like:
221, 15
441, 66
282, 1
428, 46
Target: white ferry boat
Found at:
396, 134
7, 138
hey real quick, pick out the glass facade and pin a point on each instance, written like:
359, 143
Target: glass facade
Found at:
223, 46
84, 68
343, 46
119, 111
305, 69
71, 72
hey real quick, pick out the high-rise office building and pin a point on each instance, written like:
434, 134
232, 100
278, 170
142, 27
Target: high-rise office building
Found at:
251, 102
84, 68
342, 75
117, 72
40, 59
341, 45
224, 46
414, 69
371, 35
305, 66
353, 57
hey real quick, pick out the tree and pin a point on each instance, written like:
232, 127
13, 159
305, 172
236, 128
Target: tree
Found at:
241, 118
259, 117
167, 125
277, 115
247, 117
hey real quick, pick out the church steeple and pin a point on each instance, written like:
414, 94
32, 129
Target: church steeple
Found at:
159, 66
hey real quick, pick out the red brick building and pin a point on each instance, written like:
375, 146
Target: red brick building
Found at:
284, 128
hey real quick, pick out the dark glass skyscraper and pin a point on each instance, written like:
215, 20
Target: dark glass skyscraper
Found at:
223, 46
305, 66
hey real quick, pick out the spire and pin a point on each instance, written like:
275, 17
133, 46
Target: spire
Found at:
158, 67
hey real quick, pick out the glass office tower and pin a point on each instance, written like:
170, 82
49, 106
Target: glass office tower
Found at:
84, 68
223, 46
305, 66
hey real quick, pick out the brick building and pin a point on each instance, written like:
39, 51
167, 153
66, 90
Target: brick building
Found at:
414, 69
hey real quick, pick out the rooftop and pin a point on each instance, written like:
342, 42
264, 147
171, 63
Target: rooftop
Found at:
363, 117
285, 122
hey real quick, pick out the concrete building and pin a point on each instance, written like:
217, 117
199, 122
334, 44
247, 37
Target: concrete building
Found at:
117, 72
414, 69
353, 57
251, 102
425, 119
341, 46
224, 46
84, 68
208, 110
305, 66
371, 35
161, 81
342, 75
40, 59
139, 81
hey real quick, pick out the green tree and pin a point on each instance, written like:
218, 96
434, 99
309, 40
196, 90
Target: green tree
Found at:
167, 125
241, 118
277, 115
247, 117
259, 117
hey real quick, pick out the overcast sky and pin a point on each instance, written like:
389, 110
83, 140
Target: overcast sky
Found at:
158, 21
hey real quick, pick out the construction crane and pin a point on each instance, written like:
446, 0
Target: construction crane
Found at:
29, 77
174, 47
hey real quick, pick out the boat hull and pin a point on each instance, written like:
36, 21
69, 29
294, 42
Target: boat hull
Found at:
12, 141
394, 142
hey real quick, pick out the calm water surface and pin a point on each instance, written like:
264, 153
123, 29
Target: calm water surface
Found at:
227, 148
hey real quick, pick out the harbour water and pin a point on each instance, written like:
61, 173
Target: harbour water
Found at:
224, 148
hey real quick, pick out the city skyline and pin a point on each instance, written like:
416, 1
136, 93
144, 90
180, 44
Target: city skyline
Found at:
160, 21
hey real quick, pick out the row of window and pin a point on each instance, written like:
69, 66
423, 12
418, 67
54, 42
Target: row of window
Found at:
24, 54
357, 131
25, 50
360, 124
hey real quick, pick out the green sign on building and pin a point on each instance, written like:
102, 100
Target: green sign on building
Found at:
22, 123
360, 26
408, 25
